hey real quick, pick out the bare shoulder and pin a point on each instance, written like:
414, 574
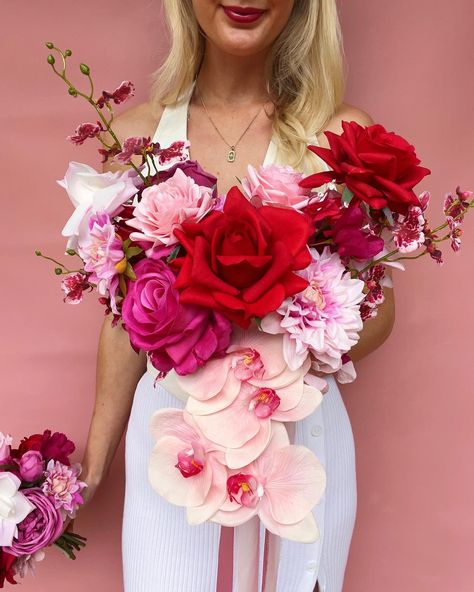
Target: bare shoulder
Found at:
346, 112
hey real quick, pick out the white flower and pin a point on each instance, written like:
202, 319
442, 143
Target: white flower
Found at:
14, 507
91, 192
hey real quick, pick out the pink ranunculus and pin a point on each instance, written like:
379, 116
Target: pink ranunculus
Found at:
184, 467
73, 287
91, 192
5, 445
62, 486
164, 207
85, 131
282, 486
238, 415
177, 336
31, 465
324, 319
276, 185
41, 527
102, 251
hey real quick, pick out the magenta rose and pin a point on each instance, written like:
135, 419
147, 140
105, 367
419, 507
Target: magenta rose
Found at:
31, 465
177, 336
40, 528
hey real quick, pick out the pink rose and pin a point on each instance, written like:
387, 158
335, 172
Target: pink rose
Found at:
31, 465
165, 206
274, 184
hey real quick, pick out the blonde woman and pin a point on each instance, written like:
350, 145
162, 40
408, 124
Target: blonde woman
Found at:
247, 82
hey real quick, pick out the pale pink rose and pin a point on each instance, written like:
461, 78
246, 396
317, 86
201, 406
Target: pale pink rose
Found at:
91, 192
63, 487
281, 487
274, 184
238, 414
325, 319
164, 207
101, 251
184, 467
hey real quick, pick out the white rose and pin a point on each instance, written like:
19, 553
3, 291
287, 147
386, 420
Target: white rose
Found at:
14, 507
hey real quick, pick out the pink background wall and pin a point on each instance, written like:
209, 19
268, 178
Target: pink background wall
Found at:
410, 67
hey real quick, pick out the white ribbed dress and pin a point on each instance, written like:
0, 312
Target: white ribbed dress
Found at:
162, 553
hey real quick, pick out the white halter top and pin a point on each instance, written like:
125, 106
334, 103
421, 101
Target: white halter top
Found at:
173, 127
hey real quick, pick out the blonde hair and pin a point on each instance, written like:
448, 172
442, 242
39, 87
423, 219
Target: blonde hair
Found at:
305, 71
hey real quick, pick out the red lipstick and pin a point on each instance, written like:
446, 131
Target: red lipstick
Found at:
243, 14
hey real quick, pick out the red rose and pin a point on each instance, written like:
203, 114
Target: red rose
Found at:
379, 167
241, 261
7, 571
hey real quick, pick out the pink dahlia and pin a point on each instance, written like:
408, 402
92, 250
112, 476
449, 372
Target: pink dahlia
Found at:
324, 319
102, 251
276, 185
164, 207
62, 486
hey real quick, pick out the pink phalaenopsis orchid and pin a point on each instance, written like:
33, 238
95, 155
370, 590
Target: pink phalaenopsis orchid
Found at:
282, 486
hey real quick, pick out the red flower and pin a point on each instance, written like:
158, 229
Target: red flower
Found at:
55, 446
241, 261
85, 131
6, 568
329, 207
378, 167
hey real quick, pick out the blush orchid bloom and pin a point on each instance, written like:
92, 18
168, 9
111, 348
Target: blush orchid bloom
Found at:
185, 468
234, 401
281, 487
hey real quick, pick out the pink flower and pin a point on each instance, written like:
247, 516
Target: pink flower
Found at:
248, 364
282, 486
455, 208
56, 446
73, 286
275, 184
184, 467
41, 527
85, 131
324, 319
31, 465
175, 153
121, 94
237, 415
164, 207
374, 280
136, 146
102, 251
91, 192
409, 233
178, 336
5, 446
62, 486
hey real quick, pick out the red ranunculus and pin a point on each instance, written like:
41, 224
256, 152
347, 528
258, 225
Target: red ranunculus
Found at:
379, 167
241, 261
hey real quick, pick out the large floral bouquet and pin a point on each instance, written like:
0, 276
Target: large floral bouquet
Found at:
39, 490
244, 302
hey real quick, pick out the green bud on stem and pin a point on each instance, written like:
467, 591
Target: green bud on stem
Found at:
85, 69
58, 270
70, 252
72, 91
68, 53
38, 253
51, 60
49, 45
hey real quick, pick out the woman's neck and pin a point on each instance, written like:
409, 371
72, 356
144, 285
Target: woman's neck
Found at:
232, 80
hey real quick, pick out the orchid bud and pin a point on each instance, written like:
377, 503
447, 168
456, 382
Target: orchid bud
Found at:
70, 252
58, 271
72, 91
68, 53
49, 45
38, 253
85, 69
51, 60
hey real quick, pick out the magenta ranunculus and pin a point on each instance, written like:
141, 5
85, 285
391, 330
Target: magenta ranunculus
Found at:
178, 336
41, 527
31, 465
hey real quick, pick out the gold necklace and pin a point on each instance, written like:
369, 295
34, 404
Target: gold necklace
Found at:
232, 154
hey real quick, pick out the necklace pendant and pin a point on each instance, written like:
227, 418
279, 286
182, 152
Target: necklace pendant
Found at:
231, 155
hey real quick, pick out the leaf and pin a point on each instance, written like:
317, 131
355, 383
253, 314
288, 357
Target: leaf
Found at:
126, 244
347, 196
133, 251
129, 272
174, 253
123, 285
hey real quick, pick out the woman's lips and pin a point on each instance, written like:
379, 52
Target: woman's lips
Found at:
243, 14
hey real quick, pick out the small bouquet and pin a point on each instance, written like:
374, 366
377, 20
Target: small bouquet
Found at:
39, 490
244, 302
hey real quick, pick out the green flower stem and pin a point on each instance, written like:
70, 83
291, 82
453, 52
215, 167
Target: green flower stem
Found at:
460, 215
66, 270
7, 467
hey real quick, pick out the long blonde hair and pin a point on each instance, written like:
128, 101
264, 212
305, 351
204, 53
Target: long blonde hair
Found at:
305, 71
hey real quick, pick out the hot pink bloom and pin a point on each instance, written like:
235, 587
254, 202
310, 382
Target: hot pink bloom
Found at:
121, 94
85, 131
62, 486
276, 185
41, 527
409, 233
164, 207
282, 486
102, 251
31, 465
73, 286
184, 467
324, 319
238, 414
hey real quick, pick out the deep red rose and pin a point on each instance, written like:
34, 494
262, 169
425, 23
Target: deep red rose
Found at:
241, 261
55, 446
329, 208
6, 568
379, 167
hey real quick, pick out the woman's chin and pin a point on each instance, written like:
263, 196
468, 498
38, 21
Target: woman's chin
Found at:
240, 43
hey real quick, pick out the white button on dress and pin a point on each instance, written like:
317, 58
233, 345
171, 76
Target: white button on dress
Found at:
316, 430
